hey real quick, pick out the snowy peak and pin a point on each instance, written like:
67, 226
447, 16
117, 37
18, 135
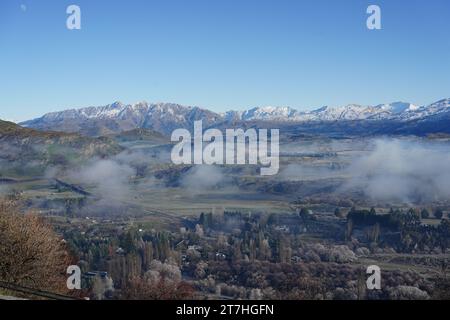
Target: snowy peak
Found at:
434, 109
269, 113
397, 107
110, 110
164, 117
348, 112
117, 117
120, 110
361, 112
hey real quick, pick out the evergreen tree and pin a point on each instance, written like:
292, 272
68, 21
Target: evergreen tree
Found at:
438, 213
424, 214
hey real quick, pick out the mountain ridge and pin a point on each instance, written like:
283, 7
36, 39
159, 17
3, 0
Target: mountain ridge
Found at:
165, 117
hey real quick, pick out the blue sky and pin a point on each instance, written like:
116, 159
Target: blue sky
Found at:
221, 54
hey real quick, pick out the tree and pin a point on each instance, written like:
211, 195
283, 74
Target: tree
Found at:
303, 212
444, 234
424, 214
349, 230
202, 219
162, 282
374, 233
127, 243
102, 287
304, 215
206, 220
438, 214
265, 252
31, 253
284, 250
236, 251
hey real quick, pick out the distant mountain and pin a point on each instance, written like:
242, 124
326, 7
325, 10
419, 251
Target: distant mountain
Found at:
263, 114
349, 112
165, 117
118, 117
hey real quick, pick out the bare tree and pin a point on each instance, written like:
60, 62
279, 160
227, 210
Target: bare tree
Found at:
31, 254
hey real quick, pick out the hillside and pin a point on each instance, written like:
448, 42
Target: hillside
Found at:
147, 135
29, 147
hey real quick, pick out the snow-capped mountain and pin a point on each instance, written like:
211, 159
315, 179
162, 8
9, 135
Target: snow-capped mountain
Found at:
118, 117
263, 113
165, 117
348, 112
434, 109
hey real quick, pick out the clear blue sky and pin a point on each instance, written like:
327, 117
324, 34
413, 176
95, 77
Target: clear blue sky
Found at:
221, 54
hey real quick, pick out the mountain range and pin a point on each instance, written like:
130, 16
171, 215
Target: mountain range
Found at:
397, 117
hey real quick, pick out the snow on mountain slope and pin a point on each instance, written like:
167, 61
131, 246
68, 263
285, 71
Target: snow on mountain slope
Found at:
348, 112
165, 117
117, 117
434, 109
397, 107
269, 113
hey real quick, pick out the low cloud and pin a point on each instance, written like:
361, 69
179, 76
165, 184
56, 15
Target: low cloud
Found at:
409, 171
108, 178
202, 178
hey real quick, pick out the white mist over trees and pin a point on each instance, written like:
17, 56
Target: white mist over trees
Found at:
402, 170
